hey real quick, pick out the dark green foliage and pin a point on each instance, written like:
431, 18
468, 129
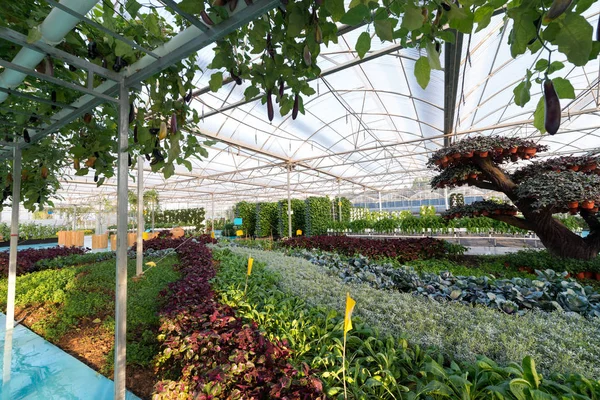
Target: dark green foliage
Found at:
346, 207
266, 219
298, 217
246, 211
318, 215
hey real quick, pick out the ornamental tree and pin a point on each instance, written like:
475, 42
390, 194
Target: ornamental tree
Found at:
538, 190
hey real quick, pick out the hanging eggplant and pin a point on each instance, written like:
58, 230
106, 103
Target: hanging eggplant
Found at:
174, 128
281, 88
135, 134
49, 66
96, 178
53, 98
129, 159
119, 63
154, 131
270, 49
188, 97
92, 49
556, 9
131, 112
296, 106
72, 68
446, 6
235, 77
270, 110
552, 108
26, 136
148, 158
206, 19
87, 118
318, 34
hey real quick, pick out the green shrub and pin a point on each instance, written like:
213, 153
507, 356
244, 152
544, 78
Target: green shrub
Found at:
318, 215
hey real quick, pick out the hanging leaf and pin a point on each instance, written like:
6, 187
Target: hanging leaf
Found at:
356, 15
539, 116
423, 71
412, 19
132, 7
575, 38
192, 6
563, 88
433, 56
363, 44
335, 8
384, 28
216, 81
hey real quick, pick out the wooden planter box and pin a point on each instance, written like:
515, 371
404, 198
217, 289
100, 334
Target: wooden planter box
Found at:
73, 239
100, 241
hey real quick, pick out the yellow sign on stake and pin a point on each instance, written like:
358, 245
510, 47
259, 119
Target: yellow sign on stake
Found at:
299, 232
212, 234
350, 303
239, 232
250, 262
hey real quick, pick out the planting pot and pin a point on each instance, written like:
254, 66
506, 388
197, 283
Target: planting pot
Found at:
513, 150
568, 275
482, 154
580, 275
498, 150
443, 159
587, 204
444, 164
497, 212
594, 210
588, 167
511, 212
573, 204
588, 275
530, 151
455, 156
438, 161
573, 211
467, 154
597, 276
472, 176
573, 168
485, 213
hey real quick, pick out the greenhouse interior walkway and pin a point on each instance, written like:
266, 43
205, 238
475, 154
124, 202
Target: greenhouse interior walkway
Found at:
40, 370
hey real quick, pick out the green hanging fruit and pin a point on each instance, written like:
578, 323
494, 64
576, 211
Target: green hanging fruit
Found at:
307, 56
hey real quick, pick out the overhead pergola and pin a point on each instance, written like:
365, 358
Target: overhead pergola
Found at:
369, 128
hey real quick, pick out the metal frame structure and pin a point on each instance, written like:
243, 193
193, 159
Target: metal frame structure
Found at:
366, 133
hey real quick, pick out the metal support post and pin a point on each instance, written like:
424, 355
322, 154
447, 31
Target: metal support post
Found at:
446, 198
380, 207
12, 266
339, 200
121, 267
212, 213
289, 207
139, 261
14, 239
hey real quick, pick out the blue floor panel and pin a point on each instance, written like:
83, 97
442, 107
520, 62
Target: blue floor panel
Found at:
40, 370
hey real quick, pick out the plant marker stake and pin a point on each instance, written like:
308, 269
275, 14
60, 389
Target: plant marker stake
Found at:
250, 262
350, 303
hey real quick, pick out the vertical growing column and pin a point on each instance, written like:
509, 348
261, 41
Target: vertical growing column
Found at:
289, 207
121, 267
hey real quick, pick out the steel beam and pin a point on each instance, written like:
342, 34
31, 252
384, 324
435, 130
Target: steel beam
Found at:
452, 57
21, 40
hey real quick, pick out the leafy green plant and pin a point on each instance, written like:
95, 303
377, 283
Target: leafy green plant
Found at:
318, 215
266, 219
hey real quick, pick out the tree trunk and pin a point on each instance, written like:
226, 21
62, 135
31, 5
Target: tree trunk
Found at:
561, 241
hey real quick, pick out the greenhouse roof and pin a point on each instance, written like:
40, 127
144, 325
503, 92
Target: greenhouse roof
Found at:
369, 128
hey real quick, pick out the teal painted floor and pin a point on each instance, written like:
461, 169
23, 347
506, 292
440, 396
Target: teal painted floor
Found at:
40, 370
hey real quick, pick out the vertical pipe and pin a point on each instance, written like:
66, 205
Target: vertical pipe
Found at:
12, 268
212, 213
14, 239
339, 200
446, 198
140, 225
380, 208
121, 267
289, 207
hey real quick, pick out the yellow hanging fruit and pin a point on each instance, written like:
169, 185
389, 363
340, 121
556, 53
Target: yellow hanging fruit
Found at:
76, 163
90, 162
44, 172
162, 133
